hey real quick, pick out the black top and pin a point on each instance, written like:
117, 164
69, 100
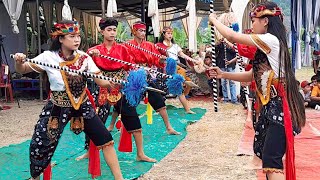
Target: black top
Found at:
220, 56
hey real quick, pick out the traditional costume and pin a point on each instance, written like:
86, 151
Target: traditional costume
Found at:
274, 131
68, 102
129, 115
172, 51
155, 99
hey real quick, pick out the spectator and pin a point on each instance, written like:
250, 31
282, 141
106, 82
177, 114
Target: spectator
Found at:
315, 96
316, 64
313, 81
306, 92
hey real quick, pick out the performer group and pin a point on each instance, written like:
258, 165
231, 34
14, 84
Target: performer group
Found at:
278, 108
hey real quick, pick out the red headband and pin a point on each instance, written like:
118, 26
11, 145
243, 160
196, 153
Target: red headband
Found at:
139, 26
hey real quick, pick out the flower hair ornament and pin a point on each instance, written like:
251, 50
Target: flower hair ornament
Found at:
66, 28
261, 11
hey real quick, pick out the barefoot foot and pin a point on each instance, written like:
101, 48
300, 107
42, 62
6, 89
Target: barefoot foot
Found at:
83, 156
172, 132
190, 112
145, 158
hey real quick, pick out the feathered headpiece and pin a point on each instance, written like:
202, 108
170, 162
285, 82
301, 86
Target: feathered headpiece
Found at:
261, 11
66, 28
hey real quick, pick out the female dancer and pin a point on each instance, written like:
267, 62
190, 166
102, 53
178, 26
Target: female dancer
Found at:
166, 41
68, 100
282, 113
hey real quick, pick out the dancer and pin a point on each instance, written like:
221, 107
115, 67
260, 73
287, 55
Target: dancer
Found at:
166, 41
113, 96
155, 99
281, 115
68, 100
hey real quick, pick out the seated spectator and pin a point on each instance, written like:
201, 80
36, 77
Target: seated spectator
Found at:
313, 81
315, 96
306, 92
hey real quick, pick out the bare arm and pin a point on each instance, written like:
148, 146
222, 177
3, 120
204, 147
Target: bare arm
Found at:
229, 34
183, 55
313, 98
215, 72
234, 60
246, 76
103, 83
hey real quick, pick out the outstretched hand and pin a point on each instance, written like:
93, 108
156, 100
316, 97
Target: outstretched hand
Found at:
214, 72
19, 58
94, 52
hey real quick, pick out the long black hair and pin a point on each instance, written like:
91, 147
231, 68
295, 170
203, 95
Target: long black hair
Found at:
55, 43
296, 102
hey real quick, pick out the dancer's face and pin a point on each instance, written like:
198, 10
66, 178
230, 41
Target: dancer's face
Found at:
109, 33
70, 41
259, 25
168, 36
141, 34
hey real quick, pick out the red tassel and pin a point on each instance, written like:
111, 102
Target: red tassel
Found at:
90, 98
290, 156
146, 100
118, 125
49, 95
47, 173
94, 161
125, 144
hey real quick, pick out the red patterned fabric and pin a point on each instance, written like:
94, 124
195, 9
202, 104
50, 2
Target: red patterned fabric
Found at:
94, 158
141, 57
247, 51
290, 156
117, 51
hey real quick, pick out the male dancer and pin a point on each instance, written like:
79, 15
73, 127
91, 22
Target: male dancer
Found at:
156, 100
113, 96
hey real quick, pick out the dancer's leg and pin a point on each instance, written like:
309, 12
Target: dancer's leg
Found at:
163, 113
111, 159
102, 138
114, 116
185, 104
140, 152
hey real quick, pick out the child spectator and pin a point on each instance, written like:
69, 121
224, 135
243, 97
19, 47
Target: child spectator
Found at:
315, 96
306, 92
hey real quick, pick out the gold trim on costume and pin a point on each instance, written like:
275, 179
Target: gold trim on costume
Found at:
105, 145
158, 110
264, 47
265, 97
272, 170
75, 105
136, 130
